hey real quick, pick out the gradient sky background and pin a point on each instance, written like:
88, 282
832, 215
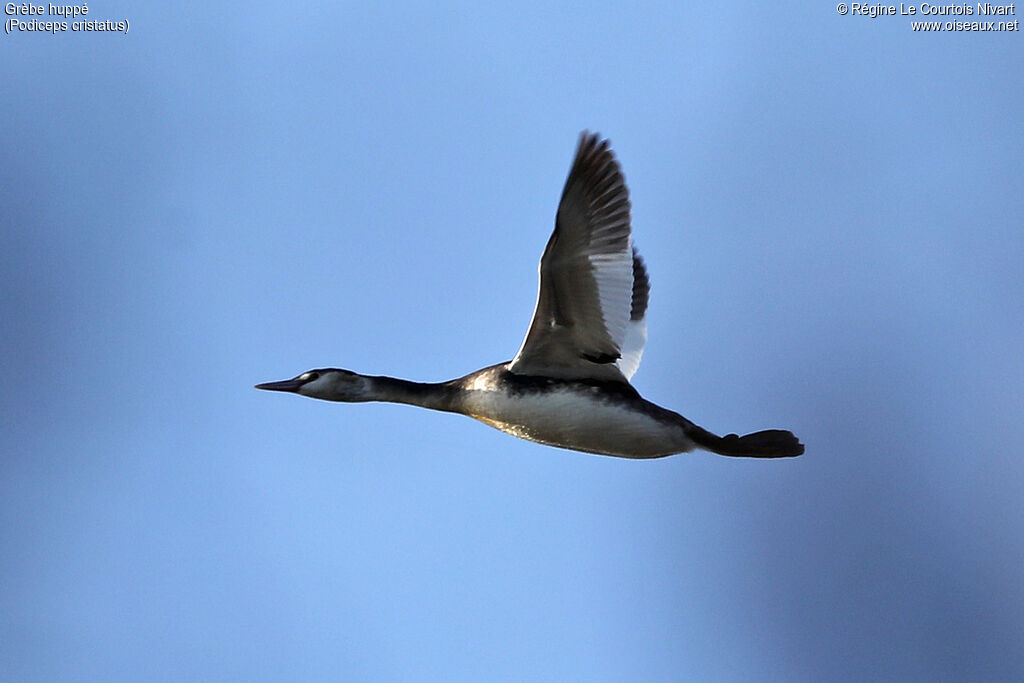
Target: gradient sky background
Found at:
832, 213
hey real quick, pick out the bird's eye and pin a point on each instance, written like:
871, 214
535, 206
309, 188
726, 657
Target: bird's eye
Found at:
310, 376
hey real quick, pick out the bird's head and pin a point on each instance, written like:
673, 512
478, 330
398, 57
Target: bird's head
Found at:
329, 384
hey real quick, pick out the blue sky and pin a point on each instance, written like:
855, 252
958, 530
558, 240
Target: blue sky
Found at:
831, 211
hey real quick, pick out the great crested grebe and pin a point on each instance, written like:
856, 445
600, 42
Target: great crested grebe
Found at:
568, 386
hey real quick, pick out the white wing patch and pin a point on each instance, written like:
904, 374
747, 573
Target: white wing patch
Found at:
613, 274
632, 348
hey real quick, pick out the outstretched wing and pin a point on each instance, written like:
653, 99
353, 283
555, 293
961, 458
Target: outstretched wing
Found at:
589, 319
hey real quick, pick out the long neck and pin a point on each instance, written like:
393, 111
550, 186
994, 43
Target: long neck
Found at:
439, 396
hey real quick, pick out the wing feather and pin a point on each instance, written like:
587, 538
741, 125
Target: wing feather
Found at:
593, 292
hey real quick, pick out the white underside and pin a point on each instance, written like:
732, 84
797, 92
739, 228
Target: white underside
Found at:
572, 419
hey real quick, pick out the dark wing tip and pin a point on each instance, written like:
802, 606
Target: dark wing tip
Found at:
590, 141
595, 194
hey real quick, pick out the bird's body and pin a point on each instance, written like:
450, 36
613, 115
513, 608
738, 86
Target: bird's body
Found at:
568, 386
593, 416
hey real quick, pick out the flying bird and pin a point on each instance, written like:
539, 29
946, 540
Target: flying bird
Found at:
568, 385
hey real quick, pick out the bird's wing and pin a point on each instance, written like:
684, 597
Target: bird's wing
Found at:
589, 319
